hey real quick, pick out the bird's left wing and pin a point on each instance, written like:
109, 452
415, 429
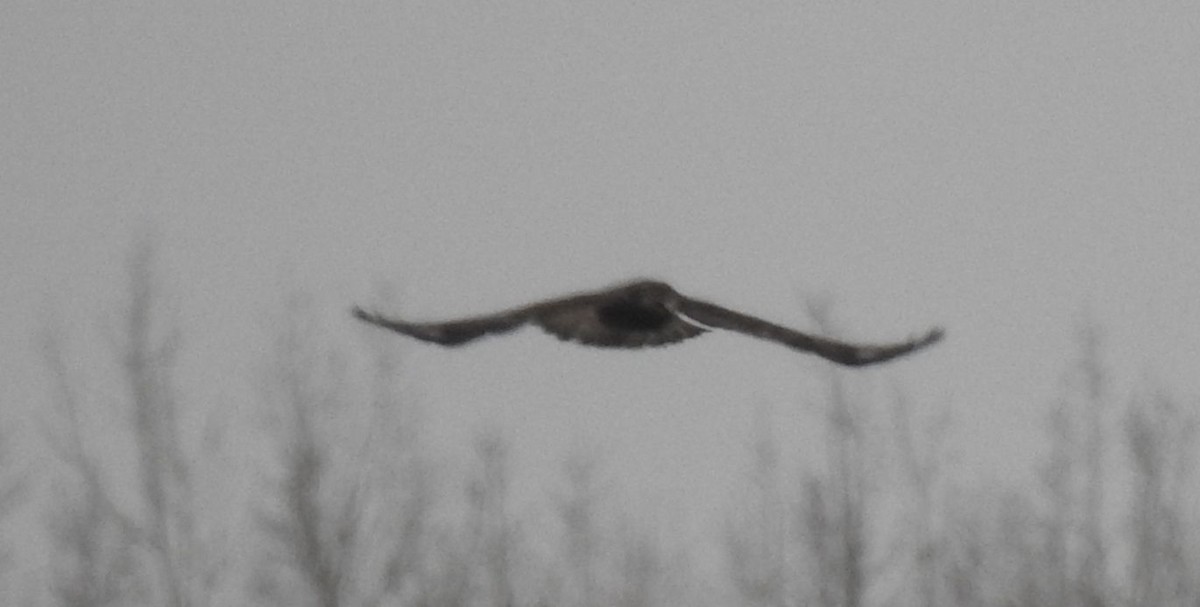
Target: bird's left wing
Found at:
854, 355
451, 333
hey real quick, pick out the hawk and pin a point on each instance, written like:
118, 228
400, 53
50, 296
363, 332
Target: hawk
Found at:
638, 314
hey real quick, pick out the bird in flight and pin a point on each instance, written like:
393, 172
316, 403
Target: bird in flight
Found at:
638, 314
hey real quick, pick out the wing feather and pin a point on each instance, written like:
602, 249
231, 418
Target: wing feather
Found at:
839, 352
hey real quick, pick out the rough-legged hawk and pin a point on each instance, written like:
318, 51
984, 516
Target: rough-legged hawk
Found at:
637, 314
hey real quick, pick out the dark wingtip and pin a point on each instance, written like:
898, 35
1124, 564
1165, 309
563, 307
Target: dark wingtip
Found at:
934, 335
362, 314
862, 359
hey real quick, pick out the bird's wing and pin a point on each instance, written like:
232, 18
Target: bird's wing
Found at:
581, 322
713, 315
454, 332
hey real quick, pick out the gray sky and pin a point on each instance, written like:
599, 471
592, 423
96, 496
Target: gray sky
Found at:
999, 170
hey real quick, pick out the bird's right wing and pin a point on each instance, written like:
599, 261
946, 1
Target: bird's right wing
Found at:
854, 355
452, 333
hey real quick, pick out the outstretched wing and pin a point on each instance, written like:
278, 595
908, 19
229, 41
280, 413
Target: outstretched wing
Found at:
847, 354
457, 332
451, 333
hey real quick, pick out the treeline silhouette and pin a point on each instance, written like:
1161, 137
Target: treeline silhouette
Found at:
344, 505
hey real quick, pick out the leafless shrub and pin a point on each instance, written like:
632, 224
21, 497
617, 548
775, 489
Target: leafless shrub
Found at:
920, 450
14, 491
351, 518
577, 510
756, 543
491, 533
640, 573
157, 553
1075, 477
92, 539
1161, 439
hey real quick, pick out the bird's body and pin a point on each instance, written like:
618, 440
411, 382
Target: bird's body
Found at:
638, 314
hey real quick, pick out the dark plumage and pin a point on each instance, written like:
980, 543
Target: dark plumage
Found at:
637, 314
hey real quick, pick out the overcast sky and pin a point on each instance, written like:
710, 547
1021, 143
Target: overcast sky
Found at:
1003, 170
